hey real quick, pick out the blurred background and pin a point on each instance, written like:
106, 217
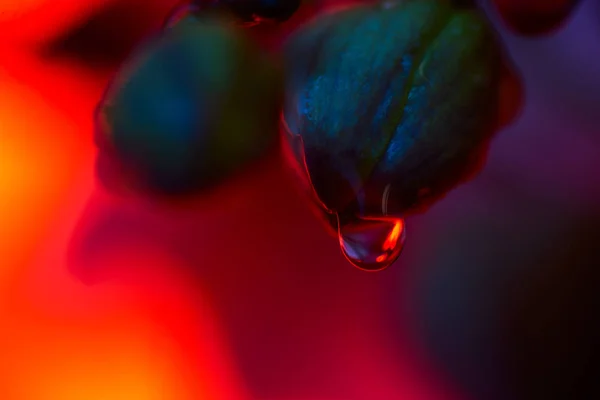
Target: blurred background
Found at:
241, 294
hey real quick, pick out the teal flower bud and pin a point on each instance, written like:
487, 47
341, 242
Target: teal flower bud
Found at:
191, 106
389, 106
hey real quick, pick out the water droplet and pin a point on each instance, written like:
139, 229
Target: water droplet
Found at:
372, 244
368, 243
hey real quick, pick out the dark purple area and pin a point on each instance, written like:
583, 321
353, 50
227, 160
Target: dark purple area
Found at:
506, 276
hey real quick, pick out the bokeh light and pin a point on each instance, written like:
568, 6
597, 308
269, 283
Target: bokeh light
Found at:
240, 294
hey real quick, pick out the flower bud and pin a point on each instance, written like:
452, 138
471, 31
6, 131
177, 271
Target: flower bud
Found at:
389, 106
193, 105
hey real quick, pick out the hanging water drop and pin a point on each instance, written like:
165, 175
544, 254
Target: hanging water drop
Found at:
372, 244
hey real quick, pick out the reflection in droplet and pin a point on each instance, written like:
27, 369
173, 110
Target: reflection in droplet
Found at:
372, 244
369, 243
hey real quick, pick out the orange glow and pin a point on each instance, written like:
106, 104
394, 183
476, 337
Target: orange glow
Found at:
40, 156
392, 239
64, 341
61, 340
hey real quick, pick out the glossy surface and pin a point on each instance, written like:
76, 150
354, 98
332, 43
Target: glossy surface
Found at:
395, 103
372, 244
190, 107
